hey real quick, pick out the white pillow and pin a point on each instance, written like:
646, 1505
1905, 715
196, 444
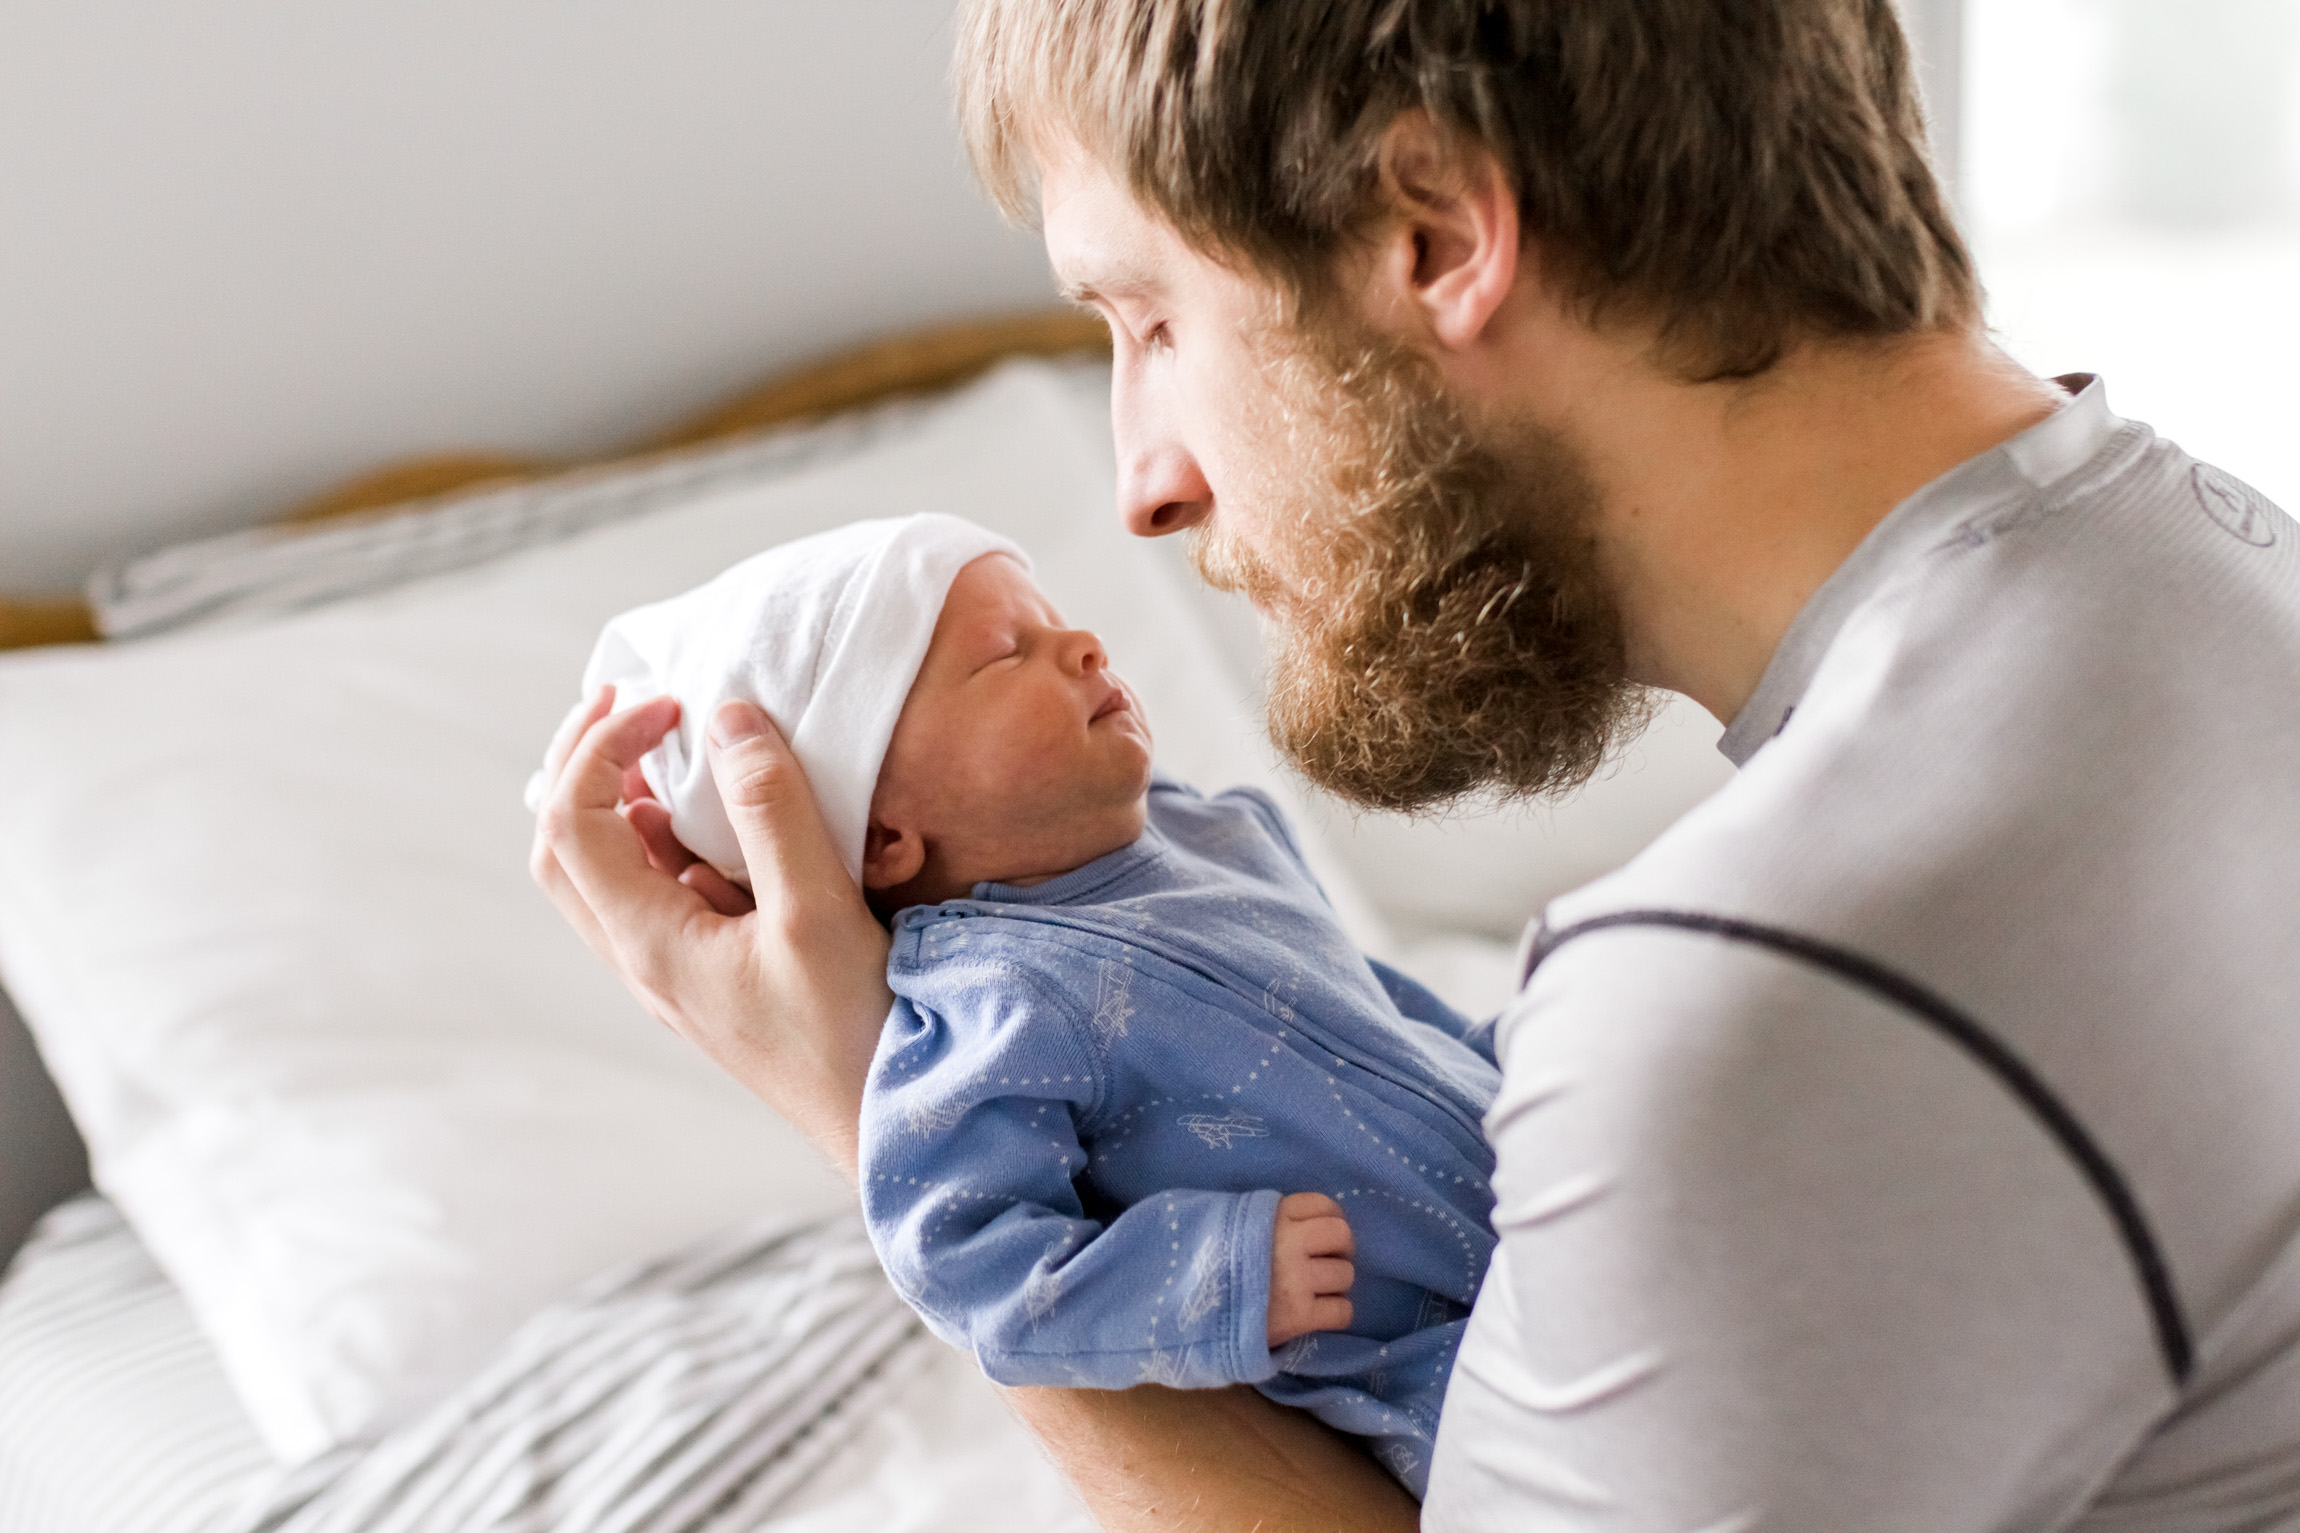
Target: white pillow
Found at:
265, 907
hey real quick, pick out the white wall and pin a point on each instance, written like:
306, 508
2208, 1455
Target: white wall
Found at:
248, 247
1936, 35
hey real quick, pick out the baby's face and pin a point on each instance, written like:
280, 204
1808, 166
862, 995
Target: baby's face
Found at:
1018, 755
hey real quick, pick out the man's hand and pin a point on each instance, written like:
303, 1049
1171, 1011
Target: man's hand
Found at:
784, 987
1310, 1271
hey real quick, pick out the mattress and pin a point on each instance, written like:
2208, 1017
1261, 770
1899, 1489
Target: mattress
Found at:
115, 1416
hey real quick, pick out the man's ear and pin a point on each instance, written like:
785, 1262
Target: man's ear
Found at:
892, 856
1449, 251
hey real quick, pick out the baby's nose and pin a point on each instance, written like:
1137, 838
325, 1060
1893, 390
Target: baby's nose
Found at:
1086, 651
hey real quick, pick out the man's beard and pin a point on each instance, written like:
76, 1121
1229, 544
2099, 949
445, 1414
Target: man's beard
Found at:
1440, 622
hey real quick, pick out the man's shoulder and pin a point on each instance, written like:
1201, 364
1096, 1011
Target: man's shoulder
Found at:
2080, 695
2037, 815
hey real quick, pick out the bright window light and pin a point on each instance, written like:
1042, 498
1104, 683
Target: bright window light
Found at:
2130, 178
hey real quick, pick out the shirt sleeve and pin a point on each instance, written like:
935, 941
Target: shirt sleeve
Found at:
971, 1187
1776, 1256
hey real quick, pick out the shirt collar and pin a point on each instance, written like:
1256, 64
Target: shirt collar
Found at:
1081, 883
2047, 452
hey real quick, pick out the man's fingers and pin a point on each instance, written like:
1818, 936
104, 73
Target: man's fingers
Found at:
664, 848
777, 821
606, 863
592, 776
670, 855
579, 718
819, 949
721, 893
543, 864
543, 861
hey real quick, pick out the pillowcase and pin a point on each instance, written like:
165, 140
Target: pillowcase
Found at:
267, 571
366, 1098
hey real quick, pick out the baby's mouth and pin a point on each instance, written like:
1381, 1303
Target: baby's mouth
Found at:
1116, 702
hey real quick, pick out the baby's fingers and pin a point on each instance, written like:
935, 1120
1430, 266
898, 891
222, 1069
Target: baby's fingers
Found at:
1311, 1224
1308, 1205
1330, 1314
1328, 1276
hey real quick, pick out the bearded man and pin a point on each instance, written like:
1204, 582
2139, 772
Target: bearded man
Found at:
1907, 1139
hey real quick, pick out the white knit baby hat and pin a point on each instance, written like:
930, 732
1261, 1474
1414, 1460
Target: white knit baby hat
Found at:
826, 634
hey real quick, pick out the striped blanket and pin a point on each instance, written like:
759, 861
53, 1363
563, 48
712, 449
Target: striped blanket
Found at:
694, 1392
680, 1395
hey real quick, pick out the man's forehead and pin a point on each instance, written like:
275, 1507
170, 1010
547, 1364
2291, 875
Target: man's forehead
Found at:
1101, 242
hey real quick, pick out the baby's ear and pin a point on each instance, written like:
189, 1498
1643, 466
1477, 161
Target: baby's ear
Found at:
891, 856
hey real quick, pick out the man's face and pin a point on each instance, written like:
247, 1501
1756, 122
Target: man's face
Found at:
1439, 618
1185, 398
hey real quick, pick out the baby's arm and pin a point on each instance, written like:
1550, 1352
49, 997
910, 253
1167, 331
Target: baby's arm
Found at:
1310, 1267
970, 1181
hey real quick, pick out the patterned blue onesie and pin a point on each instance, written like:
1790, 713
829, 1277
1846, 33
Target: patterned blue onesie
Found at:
1091, 1094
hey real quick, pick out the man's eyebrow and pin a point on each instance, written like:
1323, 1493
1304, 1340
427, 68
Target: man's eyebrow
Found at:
1124, 282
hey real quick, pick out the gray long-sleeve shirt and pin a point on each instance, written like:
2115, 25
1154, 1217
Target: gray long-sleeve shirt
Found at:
1910, 1138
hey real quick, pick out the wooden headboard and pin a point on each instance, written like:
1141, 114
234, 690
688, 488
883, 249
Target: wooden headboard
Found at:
915, 362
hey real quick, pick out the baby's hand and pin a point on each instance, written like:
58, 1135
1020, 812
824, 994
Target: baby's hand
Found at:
1310, 1269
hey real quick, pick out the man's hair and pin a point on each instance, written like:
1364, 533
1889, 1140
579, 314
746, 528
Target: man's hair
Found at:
1744, 173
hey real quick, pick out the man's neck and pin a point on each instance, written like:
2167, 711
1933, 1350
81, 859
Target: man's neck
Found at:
1727, 505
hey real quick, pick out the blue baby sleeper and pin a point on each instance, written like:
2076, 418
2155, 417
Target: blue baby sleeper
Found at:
1092, 1093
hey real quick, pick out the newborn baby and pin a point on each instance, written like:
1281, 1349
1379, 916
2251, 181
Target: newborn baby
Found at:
1141, 1112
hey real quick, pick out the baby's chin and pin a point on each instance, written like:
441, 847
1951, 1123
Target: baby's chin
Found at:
1071, 836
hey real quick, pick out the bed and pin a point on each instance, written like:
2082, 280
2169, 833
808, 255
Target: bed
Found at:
402, 1216
340, 1186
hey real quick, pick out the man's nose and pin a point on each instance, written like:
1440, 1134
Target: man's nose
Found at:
1161, 489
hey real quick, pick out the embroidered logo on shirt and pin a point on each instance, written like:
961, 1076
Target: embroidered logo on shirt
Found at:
1209, 1277
2240, 511
1220, 1132
1162, 1368
928, 1117
1041, 1291
1113, 1001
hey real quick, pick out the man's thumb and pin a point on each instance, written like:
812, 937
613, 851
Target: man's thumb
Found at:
770, 805
737, 720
